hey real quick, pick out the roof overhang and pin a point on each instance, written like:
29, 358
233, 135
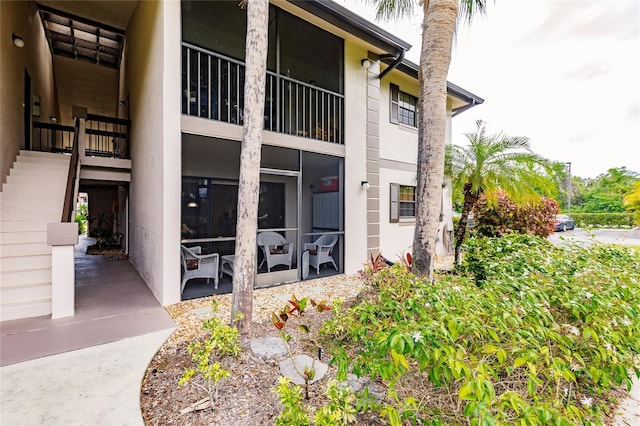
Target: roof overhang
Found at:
352, 23
82, 39
462, 99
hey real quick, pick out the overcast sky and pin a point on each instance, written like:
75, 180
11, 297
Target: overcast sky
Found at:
564, 73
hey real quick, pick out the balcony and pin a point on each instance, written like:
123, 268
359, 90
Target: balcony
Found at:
106, 137
213, 88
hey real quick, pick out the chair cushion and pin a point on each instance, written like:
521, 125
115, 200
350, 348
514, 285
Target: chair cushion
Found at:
278, 251
192, 264
313, 252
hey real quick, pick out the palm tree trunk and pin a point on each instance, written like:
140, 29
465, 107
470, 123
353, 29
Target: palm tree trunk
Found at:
470, 200
244, 269
438, 29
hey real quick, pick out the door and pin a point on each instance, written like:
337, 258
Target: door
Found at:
278, 218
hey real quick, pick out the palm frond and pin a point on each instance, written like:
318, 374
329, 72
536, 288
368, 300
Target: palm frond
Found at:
393, 9
469, 9
498, 161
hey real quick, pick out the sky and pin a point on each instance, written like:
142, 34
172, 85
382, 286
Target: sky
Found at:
566, 74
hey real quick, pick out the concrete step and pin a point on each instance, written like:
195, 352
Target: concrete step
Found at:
27, 197
8, 214
29, 207
42, 154
45, 168
48, 159
25, 192
25, 225
34, 186
34, 180
36, 308
23, 237
18, 263
25, 292
31, 276
24, 249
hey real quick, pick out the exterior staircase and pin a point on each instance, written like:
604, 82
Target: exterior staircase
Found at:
32, 197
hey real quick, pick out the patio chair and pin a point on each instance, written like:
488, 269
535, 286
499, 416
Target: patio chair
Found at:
321, 251
197, 265
276, 249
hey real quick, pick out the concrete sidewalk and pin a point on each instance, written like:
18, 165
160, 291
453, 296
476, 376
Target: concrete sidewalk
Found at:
99, 385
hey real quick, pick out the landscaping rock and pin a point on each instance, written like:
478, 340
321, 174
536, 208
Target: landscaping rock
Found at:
268, 347
358, 384
288, 369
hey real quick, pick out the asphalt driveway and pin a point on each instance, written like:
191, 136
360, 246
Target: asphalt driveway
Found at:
605, 236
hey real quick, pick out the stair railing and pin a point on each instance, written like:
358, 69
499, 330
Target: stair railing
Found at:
69, 199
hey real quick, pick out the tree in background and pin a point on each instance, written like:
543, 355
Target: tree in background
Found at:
438, 27
605, 193
493, 162
632, 201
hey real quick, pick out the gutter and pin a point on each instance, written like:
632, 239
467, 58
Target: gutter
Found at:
397, 61
471, 99
352, 23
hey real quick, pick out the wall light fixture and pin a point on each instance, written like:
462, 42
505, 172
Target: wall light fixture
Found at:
17, 40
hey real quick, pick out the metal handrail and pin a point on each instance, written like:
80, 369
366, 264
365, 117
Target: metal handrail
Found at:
67, 207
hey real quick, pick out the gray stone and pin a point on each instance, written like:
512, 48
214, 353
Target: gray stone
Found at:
206, 310
356, 384
316, 290
288, 369
268, 347
350, 283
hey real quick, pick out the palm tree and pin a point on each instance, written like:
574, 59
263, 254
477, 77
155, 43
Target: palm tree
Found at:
439, 24
249, 181
494, 162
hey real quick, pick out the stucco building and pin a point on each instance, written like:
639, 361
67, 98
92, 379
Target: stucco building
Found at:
156, 90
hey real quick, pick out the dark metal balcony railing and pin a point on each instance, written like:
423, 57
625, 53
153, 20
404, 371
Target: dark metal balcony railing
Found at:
52, 137
106, 137
213, 88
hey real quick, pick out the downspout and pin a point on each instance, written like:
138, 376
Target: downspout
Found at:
394, 64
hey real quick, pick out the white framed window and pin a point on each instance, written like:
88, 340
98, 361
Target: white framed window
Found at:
402, 202
404, 107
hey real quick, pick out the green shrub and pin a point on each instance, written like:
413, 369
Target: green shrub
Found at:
503, 216
82, 214
544, 339
604, 220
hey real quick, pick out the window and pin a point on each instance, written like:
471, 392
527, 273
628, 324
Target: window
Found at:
402, 202
403, 107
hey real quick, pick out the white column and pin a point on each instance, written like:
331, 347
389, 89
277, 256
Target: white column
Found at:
62, 237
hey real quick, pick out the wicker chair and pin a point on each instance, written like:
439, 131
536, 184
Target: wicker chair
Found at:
196, 265
321, 251
276, 249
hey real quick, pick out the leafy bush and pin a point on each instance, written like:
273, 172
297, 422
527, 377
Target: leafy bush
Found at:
604, 220
82, 214
221, 341
503, 216
543, 340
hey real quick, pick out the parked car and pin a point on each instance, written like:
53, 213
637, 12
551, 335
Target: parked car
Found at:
564, 222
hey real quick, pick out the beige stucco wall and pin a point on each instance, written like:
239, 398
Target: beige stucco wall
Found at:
21, 18
398, 142
398, 150
355, 159
153, 82
84, 84
395, 238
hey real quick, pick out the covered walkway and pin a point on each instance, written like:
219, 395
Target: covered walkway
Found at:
112, 303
